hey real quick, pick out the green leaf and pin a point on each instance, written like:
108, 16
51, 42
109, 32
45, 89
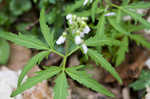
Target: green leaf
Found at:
100, 27
77, 67
17, 7
125, 2
4, 51
36, 79
24, 40
61, 87
140, 4
94, 9
142, 82
119, 16
99, 59
94, 41
140, 40
45, 29
72, 7
117, 26
139, 84
122, 51
136, 16
85, 79
32, 62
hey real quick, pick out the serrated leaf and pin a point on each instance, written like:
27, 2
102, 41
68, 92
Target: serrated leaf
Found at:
140, 40
117, 26
94, 41
85, 79
45, 29
136, 16
139, 84
61, 87
72, 7
24, 40
32, 62
122, 51
140, 4
94, 9
119, 16
36, 79
142, 82
99, 59
100, 27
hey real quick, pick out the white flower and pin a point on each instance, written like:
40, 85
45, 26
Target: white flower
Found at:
69, 16
60, 40
127, 18
86, 1
110, 14
70, 21
78, 40
82, 34
86, 30
84, 18
85, 48
91, 1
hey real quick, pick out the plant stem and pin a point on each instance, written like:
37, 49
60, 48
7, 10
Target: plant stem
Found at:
64, 63
60, 54
73, 51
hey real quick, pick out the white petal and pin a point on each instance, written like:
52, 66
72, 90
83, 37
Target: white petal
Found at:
85, 48
85, 2
70, 21
78, 40
126, 18
86, 30
69, 16
82, 34
60, 40
110, 14
91, 1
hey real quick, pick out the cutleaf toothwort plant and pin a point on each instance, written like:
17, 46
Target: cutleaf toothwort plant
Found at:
105, 29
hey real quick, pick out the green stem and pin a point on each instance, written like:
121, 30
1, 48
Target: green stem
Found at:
64, 63
73, 51
60, 54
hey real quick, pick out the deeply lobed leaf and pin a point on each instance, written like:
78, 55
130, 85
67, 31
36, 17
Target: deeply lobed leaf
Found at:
140, 40
24, 40
122, 51
99, 59
32, 62
61, 87
94, 41
85, 79
36, 79
45, 29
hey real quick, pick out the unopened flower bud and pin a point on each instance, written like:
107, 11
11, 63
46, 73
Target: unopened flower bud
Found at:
85, 48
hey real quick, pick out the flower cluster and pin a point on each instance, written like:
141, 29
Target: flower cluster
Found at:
86, 1
78, 28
